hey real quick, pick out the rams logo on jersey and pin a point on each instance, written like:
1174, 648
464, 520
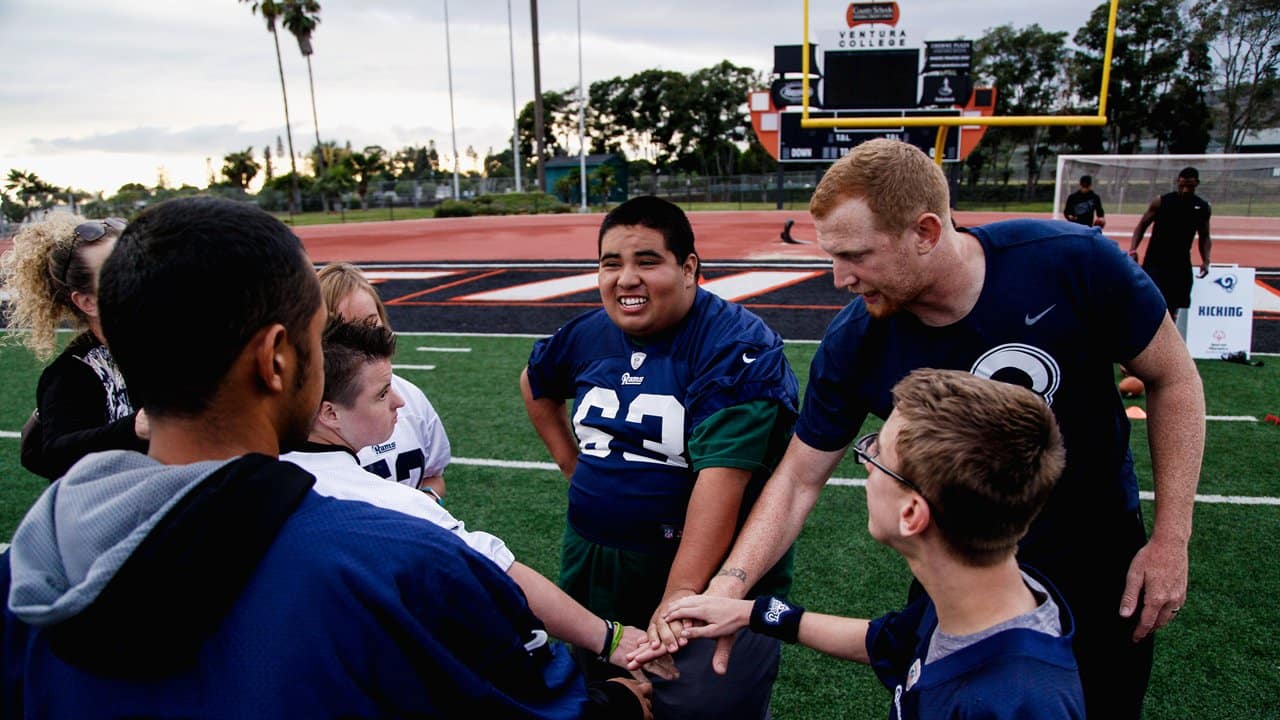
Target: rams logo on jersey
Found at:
1020, 364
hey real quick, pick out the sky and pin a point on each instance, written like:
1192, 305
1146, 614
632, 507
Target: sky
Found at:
94, 95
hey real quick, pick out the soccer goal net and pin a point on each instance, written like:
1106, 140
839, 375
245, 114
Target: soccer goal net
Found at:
1240, 184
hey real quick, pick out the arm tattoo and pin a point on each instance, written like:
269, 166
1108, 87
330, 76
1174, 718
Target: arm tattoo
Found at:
734, 572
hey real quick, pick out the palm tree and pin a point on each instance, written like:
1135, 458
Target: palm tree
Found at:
239, 168
272, 9
301, 18
365, 165
28, 186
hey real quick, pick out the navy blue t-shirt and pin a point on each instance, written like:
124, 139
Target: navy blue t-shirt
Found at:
1060, 304
1018, 673
637, 404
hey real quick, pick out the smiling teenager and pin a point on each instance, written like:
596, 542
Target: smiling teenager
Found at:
682, 405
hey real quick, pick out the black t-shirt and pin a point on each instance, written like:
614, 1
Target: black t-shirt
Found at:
1082, 205
1177, 221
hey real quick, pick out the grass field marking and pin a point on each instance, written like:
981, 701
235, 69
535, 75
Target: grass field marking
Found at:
509, 464
377, 276
1231, 418
10, 434
442, 349
752, 283
1222, 499
539, 290
848, 482
413, 367
860, 482
446, 286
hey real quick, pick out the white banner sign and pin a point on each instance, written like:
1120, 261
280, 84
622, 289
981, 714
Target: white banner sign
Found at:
1220, 319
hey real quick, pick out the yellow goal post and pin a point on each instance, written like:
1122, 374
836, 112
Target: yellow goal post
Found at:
942, 123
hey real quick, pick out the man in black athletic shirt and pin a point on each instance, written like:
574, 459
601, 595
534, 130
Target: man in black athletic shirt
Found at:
1178, 216
1084, 206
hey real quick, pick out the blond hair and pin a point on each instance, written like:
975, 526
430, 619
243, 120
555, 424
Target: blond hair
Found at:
41, 270
338, 280
895, 179
986, 453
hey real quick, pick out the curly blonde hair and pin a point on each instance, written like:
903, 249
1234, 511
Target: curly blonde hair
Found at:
39, 274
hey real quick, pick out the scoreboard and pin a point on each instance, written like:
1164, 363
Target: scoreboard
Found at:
799, 144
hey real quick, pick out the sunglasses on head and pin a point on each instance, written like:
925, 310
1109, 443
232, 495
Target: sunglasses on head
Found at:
86, 233
93, 230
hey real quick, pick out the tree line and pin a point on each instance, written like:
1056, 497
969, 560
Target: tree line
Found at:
1184, 73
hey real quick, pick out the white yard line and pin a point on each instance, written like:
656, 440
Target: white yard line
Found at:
860, 482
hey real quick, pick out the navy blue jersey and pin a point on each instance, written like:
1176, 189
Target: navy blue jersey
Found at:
1060, 304
337, 608
1015, 673
636, 405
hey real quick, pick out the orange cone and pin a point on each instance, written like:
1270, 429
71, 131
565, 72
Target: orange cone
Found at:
1135, 413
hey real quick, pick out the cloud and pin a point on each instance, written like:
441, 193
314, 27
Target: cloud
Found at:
205, 138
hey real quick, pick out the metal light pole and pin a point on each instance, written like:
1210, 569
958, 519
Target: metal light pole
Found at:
453, 128
515, 117
537, 99
582, 114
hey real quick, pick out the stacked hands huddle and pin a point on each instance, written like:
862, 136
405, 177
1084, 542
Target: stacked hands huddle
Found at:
258, 490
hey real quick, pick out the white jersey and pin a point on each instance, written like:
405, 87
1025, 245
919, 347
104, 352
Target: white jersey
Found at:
418, 447
338, 476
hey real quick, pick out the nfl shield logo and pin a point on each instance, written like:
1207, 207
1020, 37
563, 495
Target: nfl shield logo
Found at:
637, 358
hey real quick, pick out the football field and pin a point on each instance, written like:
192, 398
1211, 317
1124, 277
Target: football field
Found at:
1217, 660
470, 295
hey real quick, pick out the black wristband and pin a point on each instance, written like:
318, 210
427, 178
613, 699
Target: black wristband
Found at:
776, 618
612, 635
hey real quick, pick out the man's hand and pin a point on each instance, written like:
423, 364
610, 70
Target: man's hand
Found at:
1204, 269
1099, 222
1158, 574
665, 634
635, 640
712, 616
727, 584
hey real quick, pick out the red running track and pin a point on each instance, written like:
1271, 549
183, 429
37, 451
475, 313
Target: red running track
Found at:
748, 235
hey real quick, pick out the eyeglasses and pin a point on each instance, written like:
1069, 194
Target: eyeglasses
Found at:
93, 230
866, 449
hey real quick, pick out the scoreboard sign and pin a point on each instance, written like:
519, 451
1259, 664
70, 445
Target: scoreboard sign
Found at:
800, 144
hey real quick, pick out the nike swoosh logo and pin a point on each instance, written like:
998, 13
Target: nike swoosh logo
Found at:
1033, 320
748, 360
